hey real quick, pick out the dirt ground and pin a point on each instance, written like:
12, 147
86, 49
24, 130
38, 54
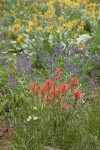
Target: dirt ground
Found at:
6, 135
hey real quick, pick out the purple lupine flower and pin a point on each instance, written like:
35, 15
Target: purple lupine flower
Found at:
11, 81
83, 76
98, 60
91, 83
66, 60
7, 41
5, 67
18, 62
84, 50
24, 63
41, 57
50, 60
75, 50
1, 58
51, 65
72, 69
51, 69
79, 62
93, 58
93, 73
57, 51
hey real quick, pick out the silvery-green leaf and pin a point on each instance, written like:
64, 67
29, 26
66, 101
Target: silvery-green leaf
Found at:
13, 42
24, 45
18, 48
35, 108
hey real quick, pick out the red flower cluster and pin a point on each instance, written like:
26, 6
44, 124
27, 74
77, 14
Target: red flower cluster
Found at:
77, 94
73, 81
33, 86
51, 93
57, 73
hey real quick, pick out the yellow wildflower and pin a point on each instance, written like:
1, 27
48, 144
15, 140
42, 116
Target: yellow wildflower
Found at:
19, 38
16, 20
30, 23
80, 46
68, 25
39, 28
12, 11
26, 8
74, 22
16, 26
93, 16
29, 29
59, 29
82, 28
0, 5
61, 18
50, 28
77, 5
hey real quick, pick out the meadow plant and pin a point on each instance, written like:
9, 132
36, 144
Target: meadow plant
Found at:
52, 105
53, 93
35, 37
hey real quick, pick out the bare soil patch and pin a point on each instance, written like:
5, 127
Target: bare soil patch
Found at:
6, 135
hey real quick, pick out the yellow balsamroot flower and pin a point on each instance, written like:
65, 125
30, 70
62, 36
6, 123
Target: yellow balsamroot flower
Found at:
0, 5
26, 8
19, 38
68, 2
9, 30
74, 22
82, 28
39, 13
80, 46
77, 5
30, 23
39, 28
86, 10
59, 29
29, 29
61, 18
16, 20
16, 26
12, 11
83, 22
50, 28
93, 16
23, 0
49, 3
69, 25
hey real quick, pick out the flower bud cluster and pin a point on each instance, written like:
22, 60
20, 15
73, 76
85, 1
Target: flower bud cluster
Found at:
52, 93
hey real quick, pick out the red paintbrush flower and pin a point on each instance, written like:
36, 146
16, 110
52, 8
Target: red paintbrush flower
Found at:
52, 90
62, 87
48, 82
64, 106
43, 88
33, 85
73, 81
77, 94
